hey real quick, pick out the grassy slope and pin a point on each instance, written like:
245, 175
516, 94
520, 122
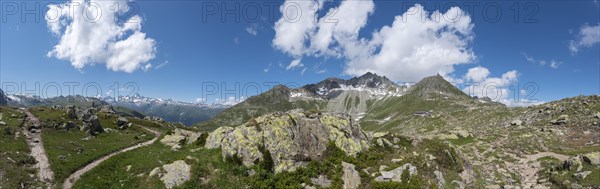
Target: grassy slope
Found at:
14, 149
112, 173
67, 151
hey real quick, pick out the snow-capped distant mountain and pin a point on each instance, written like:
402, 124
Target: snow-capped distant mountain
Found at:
171, 110
28, 100
138, 99
377, 86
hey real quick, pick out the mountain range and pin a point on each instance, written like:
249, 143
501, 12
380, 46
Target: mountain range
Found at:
376, 97
362, 132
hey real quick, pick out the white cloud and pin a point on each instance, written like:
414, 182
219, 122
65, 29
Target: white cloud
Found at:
496, 88
552, 63
477, 74
236, 40
302, 72
321, 71
529, 58
296, 63
416, 45
295, 24
147, 67
587, 36
230, 101
161, 65
96, 38
252, 30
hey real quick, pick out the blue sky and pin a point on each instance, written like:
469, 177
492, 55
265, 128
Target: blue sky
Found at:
175, 49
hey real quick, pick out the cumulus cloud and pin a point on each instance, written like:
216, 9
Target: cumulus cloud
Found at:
587, 36
296, 63
477, 74
89, 34
417, 44
477, 82
293, 29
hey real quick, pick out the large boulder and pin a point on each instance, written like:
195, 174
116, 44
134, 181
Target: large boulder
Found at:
174, 174
396, 174
92, 125
71, 111
292, 138
350, 177
180, 137
85, 113
563, 119
122, 122
516, 122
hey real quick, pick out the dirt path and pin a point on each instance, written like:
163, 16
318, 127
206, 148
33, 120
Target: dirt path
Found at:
528, 167
33, 136
77, 174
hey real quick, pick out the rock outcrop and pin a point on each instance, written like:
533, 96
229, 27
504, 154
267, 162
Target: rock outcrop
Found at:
292, 138
180, 137
92, 125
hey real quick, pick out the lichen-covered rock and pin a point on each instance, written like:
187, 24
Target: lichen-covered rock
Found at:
292, 138
396, 174
461, 133
562, 119
592, 158
215, 138
173, 174
383, 142
516, 122
180, 137
350, 177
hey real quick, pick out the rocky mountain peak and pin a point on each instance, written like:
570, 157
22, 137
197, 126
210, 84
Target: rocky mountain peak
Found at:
367, 81
436, 86
3, 100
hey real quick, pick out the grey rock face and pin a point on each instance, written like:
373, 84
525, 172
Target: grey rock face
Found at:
350, 176
3, 100
440, 178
